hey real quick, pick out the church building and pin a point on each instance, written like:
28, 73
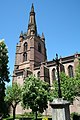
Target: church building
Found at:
31, 58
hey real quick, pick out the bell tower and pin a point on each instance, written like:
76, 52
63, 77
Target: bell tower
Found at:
31, 50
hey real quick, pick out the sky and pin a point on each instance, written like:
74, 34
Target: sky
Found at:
59, 20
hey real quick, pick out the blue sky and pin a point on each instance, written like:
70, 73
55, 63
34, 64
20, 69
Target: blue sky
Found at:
59, 20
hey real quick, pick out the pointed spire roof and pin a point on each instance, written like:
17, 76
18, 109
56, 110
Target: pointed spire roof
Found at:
32, 22
32, 8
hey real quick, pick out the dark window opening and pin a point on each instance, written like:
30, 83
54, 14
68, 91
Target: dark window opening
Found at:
24, 57
39, 47
53, 74
62, 69
25, 46
38, 74
70, 71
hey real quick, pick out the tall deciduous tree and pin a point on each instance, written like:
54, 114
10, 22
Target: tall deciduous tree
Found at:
4, 73
35, 94
77, 76
68, 87
13, 96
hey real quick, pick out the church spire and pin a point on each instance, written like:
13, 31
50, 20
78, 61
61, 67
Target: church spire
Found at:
32, 8
32, 28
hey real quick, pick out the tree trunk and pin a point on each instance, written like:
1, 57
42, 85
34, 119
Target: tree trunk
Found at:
14, 109
36, 115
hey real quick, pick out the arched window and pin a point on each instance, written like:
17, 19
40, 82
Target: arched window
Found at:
25, 46
62, 69
38, 74
39, 47
53, 74
70, 71
24, 57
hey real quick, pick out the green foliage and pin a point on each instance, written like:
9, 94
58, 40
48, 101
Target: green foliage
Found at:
4, 73
77, 77
78, 71
4, 70
13, 93
75, 116
68, 87
13, 96
35, 94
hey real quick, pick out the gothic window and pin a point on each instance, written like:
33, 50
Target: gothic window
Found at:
38, 74
24, 57
39, 47
62, 69
53, 74
70, 71
25, 46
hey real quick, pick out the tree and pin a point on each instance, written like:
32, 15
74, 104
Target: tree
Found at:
35, 94
13, 96
68, 87
77, 76
4, 73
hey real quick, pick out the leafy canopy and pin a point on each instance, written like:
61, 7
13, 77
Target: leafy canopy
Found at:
13, 94
4, 73
4, 70
68, 87
35, 94
77, 76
